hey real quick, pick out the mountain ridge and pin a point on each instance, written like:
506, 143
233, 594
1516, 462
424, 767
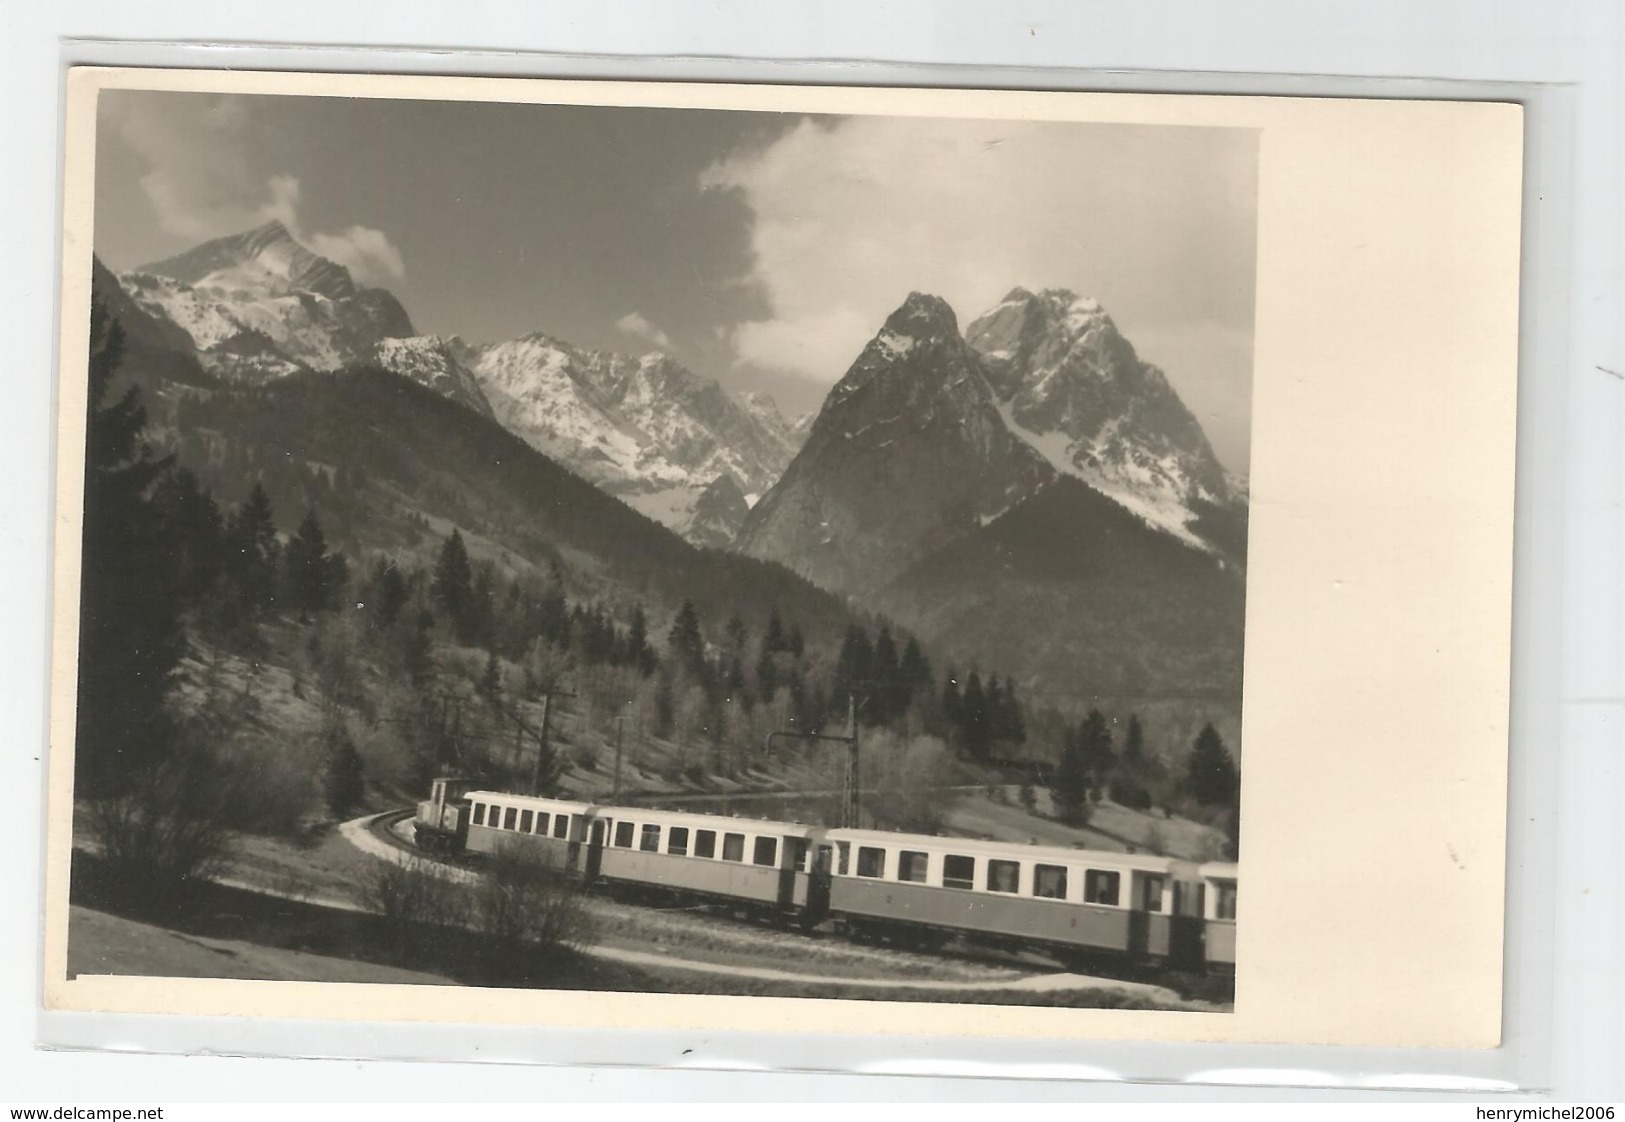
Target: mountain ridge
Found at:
258, 305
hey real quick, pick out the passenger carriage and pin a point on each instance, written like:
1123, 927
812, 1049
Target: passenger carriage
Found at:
551, 829
1219, 912
1070, 900
754, 862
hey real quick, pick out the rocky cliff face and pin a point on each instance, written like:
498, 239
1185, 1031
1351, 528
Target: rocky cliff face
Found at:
1072, 387
644, 428
259, 305
908, 453
433, 362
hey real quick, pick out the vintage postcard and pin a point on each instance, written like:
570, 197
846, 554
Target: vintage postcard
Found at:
643, 554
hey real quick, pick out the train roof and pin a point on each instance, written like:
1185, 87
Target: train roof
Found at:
705, 821
981, 847
1142, 862
534, 802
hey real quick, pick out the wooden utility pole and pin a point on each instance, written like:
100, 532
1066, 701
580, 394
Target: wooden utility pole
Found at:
542, 735
620, 724
850, 801
853, 780
542, 738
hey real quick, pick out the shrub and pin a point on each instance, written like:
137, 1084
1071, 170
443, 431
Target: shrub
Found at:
418, 904
521, 904
1130, 793
170, 824
275, 785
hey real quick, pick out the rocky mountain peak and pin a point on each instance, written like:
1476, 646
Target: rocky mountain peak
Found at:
1071, 385
908, 452
432, 361
265, 261
923, 316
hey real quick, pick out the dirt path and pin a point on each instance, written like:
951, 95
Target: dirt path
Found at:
1031, 983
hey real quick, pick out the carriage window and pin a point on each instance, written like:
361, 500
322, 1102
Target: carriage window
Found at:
651, 839
524, 822
845, 850
509, 816
623, 834
958, 872
1049, 881
541, 822
871, 861
677, 841
1152, 894
767, 851
1003, 876
479, 814
801, 852
1100, 887
1224, 903
733, 847
911, 866
705, 843
561, 825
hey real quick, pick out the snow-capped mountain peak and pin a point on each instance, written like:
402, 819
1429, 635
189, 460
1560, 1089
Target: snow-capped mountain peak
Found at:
433, 361
266, 261
643, 427
1072, 387
259, 305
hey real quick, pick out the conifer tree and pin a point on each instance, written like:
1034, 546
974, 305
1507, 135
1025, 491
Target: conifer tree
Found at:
733, 671
391, 592
130, 639
253, 553
638, 652
553, 615
915, 670
344, 781
1210, 772
852, 677
973, 721
418, 656
1070, 792
1134, 744
951, 702
453, 586
192, 532
774, 640
490, 684
889, 698
312, 573
767, 672
684, 641
1095, 741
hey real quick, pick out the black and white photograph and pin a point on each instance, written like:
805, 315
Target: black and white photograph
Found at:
664, 550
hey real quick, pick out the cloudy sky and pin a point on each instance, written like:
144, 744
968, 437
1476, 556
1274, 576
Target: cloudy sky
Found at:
760, 249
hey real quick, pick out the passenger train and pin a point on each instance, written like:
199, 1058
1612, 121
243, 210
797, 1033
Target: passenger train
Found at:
1079, 905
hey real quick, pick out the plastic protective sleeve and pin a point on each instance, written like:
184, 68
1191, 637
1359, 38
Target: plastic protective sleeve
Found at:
1569, 413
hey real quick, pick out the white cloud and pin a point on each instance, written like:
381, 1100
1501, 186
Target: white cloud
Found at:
369, 254
851, 216
639, 327
201, 181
